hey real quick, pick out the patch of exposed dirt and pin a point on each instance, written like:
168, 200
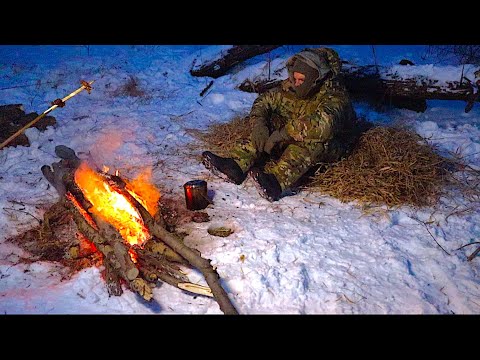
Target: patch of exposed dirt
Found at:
13, 118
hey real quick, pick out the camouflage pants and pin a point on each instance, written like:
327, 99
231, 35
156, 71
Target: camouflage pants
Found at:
295, 160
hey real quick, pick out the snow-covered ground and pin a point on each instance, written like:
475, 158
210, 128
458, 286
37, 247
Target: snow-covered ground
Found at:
305, 254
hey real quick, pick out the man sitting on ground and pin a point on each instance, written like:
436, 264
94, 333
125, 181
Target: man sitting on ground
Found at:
300, 124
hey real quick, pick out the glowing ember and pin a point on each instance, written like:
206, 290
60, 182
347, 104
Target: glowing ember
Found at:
112, 206
133, 255
86, 246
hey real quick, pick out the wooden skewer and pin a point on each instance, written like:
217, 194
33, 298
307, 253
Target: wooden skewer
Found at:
85, 85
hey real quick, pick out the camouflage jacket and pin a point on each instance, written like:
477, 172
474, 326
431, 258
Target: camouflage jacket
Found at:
318, 118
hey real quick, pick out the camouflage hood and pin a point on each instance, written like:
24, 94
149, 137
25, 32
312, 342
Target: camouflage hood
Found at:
326, 61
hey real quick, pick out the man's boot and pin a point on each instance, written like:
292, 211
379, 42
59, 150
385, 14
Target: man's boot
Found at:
226, 168
267, 184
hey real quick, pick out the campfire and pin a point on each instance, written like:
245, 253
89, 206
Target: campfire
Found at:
119, 219
114, 208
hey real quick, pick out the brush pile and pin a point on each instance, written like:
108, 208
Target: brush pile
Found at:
389, 166
222, 138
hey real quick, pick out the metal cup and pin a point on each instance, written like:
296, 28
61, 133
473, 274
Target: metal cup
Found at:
196, 197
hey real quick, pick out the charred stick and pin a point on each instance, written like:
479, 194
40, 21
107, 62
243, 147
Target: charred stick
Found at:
475, 253
206, 89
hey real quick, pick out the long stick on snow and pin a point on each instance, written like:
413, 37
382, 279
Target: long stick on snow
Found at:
56, 103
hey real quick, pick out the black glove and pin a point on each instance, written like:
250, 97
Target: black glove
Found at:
275, 137
259, 137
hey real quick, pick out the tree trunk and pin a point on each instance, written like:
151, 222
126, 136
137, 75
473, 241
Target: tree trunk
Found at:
232, 57
365, 84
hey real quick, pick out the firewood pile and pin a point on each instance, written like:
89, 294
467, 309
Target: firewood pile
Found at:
134, 244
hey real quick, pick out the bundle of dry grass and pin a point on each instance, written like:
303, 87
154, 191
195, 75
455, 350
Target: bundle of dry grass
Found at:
221, 138
130, 88
388, 166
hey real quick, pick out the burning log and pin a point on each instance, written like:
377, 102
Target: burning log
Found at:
136, 248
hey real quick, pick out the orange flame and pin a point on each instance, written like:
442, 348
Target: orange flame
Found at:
142, 189
112, 206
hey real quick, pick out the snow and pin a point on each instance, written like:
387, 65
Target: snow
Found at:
305, 254
442, 74
209, 55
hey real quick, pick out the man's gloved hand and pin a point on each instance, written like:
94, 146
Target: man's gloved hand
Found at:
275, 137
259, 137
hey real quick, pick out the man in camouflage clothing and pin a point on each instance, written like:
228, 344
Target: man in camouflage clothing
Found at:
304, 120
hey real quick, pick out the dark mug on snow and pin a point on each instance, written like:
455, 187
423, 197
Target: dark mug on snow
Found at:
196, 197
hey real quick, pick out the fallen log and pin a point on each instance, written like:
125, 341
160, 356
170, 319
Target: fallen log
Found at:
138, 266
383, 87
233, 56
